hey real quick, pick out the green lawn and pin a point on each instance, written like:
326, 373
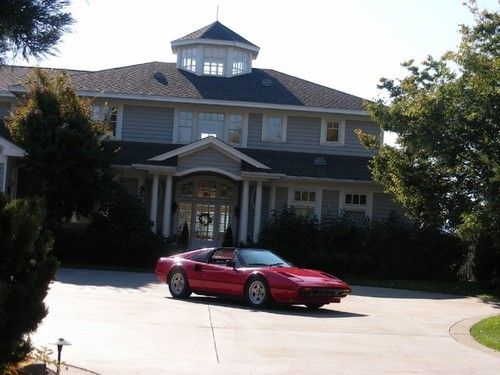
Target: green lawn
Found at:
487, 332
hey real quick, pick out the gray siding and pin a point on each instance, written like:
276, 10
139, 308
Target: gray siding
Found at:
147, 124
330, 203
2, 175
383, 205
281, 198
4, 110
208, 157
304, 135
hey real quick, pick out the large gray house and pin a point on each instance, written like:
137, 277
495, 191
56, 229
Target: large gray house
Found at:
212, 142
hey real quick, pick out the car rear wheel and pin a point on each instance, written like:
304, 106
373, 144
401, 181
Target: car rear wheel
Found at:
314, 306
178, 284
257, 293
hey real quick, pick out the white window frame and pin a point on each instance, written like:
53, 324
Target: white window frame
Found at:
366, 208
265, 118
316, 205
240, 62
191, 55
194, 132
119, 117
342, 126
214, 61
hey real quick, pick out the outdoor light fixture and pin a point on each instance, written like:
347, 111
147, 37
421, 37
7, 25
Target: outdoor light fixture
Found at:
60, 343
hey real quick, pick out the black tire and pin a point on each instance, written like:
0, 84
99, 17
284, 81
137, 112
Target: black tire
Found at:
178, 284
257, 292
315, 306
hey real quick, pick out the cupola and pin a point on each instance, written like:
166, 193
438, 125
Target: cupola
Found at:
215, 50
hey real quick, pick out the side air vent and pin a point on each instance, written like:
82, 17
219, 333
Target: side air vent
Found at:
319, 161
160, 77
266, 82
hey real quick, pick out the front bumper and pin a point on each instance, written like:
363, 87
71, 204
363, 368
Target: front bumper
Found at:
313, 295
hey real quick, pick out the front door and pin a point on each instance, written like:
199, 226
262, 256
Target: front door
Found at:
206, 206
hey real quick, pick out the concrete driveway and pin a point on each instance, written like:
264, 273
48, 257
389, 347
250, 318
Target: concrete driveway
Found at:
127, 323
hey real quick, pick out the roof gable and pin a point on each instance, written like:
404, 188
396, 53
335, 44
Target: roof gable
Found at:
210, 142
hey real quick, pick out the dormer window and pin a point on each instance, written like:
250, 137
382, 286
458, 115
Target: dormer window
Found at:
188, 59
214, 62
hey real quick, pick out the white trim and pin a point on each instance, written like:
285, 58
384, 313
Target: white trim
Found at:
367, 208
316, 204
195, 128
154, 201
257, 212
11, 149
342, 130
4, 161
244, 211
228, 103
208, 169
167, 206
215, 42
216, 143
119, 122
160, 169
284, 125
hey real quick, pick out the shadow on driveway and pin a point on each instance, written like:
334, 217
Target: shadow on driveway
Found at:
275, 309
113, 279
376, 292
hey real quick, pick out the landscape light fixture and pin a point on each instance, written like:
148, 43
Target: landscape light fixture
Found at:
60, 343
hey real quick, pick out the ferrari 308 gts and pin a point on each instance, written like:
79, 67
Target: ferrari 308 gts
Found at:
257, 275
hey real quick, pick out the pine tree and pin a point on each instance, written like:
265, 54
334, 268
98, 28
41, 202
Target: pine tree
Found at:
26, 268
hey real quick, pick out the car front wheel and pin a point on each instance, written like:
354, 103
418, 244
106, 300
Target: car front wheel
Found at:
178, 284
257, 293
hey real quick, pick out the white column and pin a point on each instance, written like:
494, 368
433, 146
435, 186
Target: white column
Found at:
272, 199
167, 206
258, 211
244, 212
154, 201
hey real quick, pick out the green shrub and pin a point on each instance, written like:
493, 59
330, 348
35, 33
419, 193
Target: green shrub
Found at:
119, 234
26, 268
385, 249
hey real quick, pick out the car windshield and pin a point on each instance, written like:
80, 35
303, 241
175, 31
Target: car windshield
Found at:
260, 258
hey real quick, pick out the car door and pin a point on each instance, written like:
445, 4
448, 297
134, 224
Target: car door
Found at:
218, 278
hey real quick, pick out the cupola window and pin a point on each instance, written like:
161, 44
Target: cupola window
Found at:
215, 59
188, 59
240, 62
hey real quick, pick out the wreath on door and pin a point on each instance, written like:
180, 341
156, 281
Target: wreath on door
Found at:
205, 219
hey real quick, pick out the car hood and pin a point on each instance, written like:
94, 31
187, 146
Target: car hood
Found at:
311, 277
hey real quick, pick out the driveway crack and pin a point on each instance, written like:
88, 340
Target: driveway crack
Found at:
213, 333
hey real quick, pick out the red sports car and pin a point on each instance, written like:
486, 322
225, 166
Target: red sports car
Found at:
258, 275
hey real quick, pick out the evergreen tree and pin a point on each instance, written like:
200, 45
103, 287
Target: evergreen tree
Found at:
67, 153
26, 268
228, 238
32, 27
184, 237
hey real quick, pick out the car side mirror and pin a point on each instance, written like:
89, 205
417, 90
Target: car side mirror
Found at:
230, 263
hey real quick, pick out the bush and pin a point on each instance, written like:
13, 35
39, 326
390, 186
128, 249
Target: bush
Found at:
384, 249
292, 236
486, 266
119, 234
26, 268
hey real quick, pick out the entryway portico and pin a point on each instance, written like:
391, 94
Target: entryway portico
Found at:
203, 186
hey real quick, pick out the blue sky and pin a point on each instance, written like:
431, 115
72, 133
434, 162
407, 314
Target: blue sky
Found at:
344, 44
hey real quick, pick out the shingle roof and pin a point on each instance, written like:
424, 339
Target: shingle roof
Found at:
149, 79
216, 31
289, 163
